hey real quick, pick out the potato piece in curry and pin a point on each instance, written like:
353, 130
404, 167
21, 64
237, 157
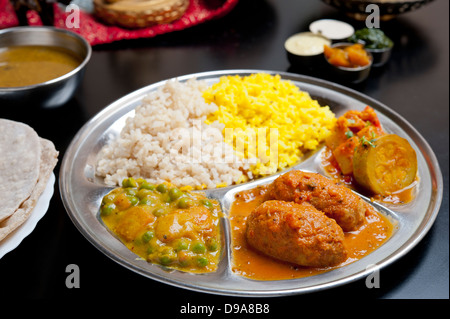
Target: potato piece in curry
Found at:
165, 225
365, 157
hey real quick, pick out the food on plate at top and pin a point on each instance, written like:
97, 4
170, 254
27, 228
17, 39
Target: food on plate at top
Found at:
351, 56
364, 153
351, 129
199, 136
285, 230
296, 233
165, 225
26, 164
372, 38
335, 200
270, 105
167, 140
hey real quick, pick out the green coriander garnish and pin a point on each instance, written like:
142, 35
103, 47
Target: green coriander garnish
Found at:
366, 142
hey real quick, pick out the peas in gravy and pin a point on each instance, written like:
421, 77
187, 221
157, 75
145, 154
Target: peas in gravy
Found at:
165, 225
33, 64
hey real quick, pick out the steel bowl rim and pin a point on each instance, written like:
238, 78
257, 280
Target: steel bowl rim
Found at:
61, 78
380, 50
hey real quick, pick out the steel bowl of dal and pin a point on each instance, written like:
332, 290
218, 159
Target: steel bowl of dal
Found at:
40, 66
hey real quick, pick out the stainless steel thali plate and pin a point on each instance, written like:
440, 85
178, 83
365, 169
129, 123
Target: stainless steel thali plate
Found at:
82, 192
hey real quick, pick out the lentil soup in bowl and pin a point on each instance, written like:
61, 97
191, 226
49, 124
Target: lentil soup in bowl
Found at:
41, 65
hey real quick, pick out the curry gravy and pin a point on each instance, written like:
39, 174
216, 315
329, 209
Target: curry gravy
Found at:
33, 64
249, 263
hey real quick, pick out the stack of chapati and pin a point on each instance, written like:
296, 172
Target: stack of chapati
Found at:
26, 164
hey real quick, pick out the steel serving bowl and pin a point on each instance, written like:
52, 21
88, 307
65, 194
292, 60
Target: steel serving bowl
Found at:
55, 92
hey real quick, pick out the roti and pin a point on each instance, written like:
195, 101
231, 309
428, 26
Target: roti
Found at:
20, 153
16, 168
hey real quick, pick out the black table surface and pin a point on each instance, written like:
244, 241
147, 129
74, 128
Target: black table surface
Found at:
414, 83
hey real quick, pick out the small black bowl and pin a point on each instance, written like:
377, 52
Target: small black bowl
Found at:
305, 50
351, 75
380, 56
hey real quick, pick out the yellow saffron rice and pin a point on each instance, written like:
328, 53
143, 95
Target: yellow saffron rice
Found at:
272, 120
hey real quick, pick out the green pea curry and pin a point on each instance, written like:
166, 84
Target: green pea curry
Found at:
165, 225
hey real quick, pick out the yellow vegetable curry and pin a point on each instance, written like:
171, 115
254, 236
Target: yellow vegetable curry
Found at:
363, 156
165, 225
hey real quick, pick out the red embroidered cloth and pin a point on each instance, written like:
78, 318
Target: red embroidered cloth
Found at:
95, 32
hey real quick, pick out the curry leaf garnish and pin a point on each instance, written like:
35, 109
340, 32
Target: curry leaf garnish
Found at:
365, 142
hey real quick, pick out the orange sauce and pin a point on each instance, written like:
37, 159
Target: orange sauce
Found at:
331, 167
252, 264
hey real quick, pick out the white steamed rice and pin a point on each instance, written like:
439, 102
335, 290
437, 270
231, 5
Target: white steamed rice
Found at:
167, 140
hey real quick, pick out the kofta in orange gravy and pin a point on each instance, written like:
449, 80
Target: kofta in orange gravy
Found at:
335, 200
290, 237
296, 233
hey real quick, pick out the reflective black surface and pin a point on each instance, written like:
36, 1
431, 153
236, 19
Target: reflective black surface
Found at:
414, 83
